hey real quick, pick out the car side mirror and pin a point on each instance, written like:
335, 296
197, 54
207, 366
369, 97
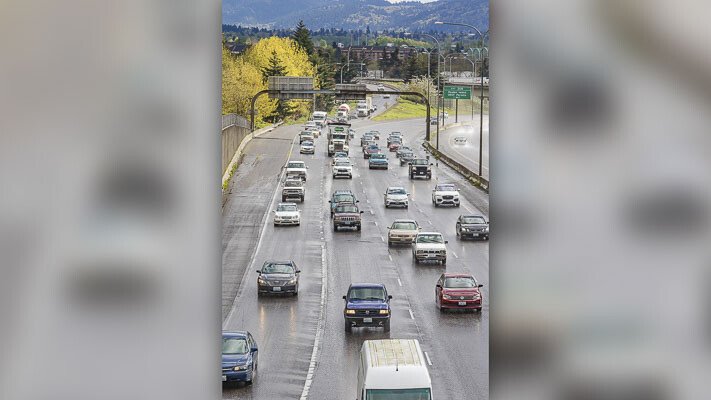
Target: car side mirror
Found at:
344, 297
259, 271
298, 271
446, 241
409, 163
431, 164
357, 201
329, 201
390, 296
438, 285
274, 211
361, 211
253, 349
480, 285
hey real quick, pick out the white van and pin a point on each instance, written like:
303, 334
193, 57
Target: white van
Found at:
320, 118
393, 369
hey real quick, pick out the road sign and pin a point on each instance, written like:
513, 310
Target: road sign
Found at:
351, 96
291, 84
457, 92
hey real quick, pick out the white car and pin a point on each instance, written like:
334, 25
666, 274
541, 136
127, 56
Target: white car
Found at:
342, 168
403, 231
396, 196
445, 193
309, 124
307, 148
296, 168
429, 246
315, 130
386, 96
287, 214
381, 88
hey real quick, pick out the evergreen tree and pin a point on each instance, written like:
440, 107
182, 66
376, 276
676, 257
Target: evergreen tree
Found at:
302, 37
274, 68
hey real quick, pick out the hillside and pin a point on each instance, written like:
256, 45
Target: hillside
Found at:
356, 14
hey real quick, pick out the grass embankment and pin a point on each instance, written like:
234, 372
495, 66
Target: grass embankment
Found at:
409, 109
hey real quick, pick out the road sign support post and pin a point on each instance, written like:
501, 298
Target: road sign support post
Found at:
456, 110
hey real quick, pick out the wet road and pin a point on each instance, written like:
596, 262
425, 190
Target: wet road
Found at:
287, 328
467, 152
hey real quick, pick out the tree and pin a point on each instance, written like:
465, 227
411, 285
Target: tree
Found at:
302, 37
274, 68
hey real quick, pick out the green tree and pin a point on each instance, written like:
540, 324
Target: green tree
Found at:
275, 68
302, 37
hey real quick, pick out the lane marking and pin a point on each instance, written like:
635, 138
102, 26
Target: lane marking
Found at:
411, 314
427, 356
467, 208
319, 327
391, 258
455, 255
399, 282
376, 223
381, 239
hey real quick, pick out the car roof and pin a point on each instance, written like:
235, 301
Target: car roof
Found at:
457, 275
430, 233
279, 262
357, 285
377, 154
347, 203
342, 192
235, 334
395, 187
286, 204
405, 220
471, 216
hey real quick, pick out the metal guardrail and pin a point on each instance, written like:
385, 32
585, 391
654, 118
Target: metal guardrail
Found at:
464, 171
234, 119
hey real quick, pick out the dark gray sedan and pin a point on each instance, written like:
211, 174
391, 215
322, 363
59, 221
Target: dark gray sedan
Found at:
278, 277
472, 226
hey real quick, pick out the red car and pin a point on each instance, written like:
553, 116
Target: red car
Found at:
458, 291
394, 145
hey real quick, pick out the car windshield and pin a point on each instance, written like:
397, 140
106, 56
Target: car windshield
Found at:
234, 346
459, 282
473, 220
342, 163
290, 207
341, 198
446, 188
347, 209
410, 226
407, 155
420, 162
295, 165
430, 239
378, 157
396, 191
307, 144
372, 148
277, 269
307, 134
292, 183
367, 293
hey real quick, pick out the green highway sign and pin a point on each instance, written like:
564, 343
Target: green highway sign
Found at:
338, 129
457, 92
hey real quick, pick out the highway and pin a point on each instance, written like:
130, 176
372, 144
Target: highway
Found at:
467, 153
303, 348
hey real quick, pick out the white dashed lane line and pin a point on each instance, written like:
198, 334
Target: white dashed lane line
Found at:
427, 356
411, 314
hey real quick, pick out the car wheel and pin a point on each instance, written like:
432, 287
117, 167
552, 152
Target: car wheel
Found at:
486, 237
283, 199
335, 227
444, 261
386, 325
358, 228
296, 292
459, 235
348, 327
457, 205
390, 243
302, 198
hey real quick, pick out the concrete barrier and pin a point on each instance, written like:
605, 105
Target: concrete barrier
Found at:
461, 169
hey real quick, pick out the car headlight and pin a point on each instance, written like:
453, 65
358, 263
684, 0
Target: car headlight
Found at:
350, 311
384, 311
240, 368
486, 229
446, 297
420, 251
260, 281
292, 281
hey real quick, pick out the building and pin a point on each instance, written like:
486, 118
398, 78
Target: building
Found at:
235, 48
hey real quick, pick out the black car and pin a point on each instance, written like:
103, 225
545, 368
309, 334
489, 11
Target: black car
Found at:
421, 167
406, 157
278, 277
473, 226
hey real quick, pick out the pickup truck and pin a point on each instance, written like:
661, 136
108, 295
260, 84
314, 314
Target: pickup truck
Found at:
346, 215
367, 304
293, 189
296, 169
341, 196
306, 136
429, 246
420, 167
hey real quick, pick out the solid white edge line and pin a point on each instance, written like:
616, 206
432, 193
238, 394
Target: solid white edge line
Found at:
427, 356
411, 314
319, 327
399, 282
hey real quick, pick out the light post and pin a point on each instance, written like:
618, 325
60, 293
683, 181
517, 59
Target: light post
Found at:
346, 64
429, 79
481, 84
473, 82
438, 73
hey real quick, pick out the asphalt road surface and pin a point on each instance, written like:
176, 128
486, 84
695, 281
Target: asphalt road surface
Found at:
466, 152
288, 329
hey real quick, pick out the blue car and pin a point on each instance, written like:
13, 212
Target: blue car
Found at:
378, 160
367, 304
239, 357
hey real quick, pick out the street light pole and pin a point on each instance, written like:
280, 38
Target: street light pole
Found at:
346, 64
481, 84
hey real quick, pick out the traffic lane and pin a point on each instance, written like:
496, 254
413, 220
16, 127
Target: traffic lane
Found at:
284, 326
248, 196
355, 257
449, 365
468, 153
373, 251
